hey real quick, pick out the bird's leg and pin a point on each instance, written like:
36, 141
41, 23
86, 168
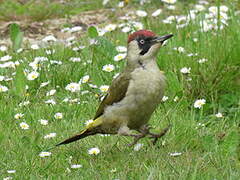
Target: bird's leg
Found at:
126, 132
159, 135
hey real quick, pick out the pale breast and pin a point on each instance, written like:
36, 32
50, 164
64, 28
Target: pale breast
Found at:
144, 93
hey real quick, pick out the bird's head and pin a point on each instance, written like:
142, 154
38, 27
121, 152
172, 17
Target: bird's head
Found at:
143, 45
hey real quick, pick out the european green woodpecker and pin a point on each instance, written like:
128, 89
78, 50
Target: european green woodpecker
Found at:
134, 94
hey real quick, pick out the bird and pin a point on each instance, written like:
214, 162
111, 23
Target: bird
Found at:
132, 96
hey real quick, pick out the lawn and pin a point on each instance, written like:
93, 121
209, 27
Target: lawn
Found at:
51, 88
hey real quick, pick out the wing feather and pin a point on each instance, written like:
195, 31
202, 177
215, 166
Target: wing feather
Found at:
116, 92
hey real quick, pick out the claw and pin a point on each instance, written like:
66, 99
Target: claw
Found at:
156, 136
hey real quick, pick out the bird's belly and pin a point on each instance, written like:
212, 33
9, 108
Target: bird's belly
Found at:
144, 93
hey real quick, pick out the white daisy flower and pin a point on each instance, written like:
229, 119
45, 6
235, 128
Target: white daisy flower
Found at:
76, 166
50, 101
137, 147
3, 88
35, 47
219, 115
126, 29
18, 116
49, 38
203, 60
110, 27
24, 125
171, 7
5, 58
120, 56
175, 154
73, 87
75, 59
51, 92
185, 70
94, 151
104, 88
43, 122
75, 29
3, 48
141, 13
121, 49
85, 79
164, 98
44, 84
108, 67
50, 51
199, 103
32, 75
199, 7
176, 98
121, 4
58, 115
156, 13
169, 1
51, 135
45, 154
12, 171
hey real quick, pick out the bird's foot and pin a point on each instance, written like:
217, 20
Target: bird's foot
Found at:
137, 137
159, 135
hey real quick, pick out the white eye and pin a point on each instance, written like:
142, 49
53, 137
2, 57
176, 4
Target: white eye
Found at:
142, 41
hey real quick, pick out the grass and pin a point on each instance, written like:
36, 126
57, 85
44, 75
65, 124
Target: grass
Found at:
208, 152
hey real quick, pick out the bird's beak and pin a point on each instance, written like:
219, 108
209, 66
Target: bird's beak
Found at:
161, 39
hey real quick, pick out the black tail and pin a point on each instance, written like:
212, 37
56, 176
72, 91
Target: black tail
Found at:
81, 135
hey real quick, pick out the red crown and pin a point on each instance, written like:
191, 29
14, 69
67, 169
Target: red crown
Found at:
145, 33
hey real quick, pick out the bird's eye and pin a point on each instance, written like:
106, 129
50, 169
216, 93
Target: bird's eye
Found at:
142, 41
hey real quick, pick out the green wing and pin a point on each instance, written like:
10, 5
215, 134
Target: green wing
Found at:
116, 92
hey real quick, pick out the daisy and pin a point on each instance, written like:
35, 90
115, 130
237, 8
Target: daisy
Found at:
85, 79
3, 48
108, 68
45, 154
141, 13
43, 122
104, 88
199, 103
3, 88
58, 115
18, 116
6, 58
49, 38
156, 13
121, 49
76, 166
51, 135
219, 115
32, 75
73, 87
164, 98
75, 59
169, 1
120, 56
175, 154
137, 147
24, 125
110, 27
185, 70
35, 47
203, 60
51, 92
94, 151
11, 171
